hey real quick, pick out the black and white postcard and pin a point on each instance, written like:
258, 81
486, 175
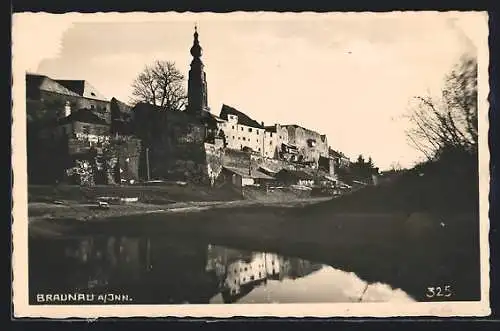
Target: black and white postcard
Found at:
250, 164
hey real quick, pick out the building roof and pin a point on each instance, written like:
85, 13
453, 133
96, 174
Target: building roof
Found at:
217, 118
243, 172
335, 153
242, 117
82, 115
120, 111
81, 87
36, 82
270, 128
293, 125
77, 86
306, 129
121, 105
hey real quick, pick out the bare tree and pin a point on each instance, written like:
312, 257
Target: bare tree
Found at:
160, 84
449, 122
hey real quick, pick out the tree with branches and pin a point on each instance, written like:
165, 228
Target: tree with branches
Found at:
448, 123
160, 84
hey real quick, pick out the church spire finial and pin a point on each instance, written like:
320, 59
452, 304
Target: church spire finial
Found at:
196, 50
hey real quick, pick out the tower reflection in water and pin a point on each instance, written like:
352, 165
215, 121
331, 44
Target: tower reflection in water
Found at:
155, 269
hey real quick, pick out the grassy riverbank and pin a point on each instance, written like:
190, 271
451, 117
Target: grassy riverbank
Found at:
146, 194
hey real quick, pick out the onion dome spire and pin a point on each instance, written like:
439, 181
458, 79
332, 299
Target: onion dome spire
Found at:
196, 50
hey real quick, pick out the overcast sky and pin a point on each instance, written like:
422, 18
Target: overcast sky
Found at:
347, 75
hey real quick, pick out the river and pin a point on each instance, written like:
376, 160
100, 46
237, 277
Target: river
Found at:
171, 270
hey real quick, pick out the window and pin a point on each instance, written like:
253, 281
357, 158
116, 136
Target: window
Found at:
233, 137
249, 129
92, 107
239, 138
257, 140
270, 134
280, 137
244, 139
92, 94
259, 149
270, 143
85, 129
241, 128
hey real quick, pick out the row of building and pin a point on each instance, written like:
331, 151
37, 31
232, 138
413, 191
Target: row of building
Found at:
76, 133
289, 142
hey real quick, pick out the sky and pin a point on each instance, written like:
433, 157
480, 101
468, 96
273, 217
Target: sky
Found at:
349, 76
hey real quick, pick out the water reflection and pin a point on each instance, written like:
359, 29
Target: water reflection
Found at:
159, 270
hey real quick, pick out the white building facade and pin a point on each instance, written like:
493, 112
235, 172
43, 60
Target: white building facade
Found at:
275, 136
241, 131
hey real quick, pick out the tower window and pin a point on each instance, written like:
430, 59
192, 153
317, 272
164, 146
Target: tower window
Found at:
241, 128
270, 134
233, 127
249, 129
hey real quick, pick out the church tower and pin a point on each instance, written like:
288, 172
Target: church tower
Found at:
197, 84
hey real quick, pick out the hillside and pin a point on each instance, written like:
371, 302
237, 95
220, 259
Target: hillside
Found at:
428, 187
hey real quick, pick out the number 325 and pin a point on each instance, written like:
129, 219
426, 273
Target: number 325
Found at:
439, 291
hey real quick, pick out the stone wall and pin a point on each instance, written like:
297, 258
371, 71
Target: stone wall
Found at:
214, 155
115, 162
235, 158
311, 145
128, 153
240, 159
121, 117
51, 105
175, 144
327, 164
